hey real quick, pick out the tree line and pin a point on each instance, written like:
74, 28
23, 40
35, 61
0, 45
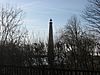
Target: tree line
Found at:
74, 48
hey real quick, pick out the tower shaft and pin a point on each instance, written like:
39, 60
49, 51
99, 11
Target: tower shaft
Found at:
50, 45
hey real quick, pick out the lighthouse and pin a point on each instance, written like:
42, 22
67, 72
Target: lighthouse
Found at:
50, 45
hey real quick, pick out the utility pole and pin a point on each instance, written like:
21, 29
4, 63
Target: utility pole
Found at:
50, 45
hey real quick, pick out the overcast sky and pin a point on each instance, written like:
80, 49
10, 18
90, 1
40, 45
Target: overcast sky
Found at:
38, 12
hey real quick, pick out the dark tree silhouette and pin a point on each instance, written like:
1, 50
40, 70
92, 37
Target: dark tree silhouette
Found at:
79, 45
10, 20
92, 14
11, 36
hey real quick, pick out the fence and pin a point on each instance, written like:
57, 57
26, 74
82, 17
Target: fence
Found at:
19, 70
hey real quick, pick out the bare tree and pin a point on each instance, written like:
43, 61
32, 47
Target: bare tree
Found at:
92, 14
11, 50
10, 19
79, 45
